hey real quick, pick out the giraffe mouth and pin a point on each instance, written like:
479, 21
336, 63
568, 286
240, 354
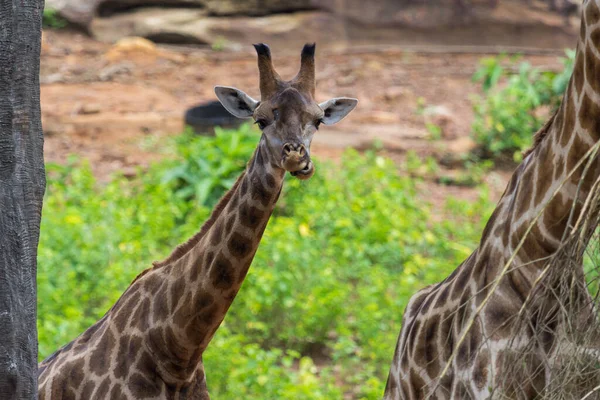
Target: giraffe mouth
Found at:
306, 172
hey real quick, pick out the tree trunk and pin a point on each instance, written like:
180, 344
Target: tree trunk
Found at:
22, 185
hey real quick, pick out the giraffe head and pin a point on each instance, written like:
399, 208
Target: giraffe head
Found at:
287, 113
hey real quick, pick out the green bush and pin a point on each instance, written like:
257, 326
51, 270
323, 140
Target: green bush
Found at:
319, 313
515, 104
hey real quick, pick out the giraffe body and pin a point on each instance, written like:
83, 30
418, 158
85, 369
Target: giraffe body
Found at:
546, 193
149, 345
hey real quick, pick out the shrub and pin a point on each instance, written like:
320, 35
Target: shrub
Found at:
515, 104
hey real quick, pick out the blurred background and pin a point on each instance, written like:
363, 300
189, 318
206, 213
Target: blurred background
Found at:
451, 93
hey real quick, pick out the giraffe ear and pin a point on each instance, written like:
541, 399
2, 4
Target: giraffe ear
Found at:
236, 102
336, 109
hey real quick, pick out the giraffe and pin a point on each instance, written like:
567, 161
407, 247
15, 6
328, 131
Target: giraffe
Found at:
149, 345
456, 335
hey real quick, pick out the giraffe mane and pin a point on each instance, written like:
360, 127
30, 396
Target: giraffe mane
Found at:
541, 134
187, 246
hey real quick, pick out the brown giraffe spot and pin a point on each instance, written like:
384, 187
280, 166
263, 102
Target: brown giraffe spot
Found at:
117, 393
183, 313
592, 14
405, 389
120, 320
127, 345
146, 364
100, 357
418, 385
76, 372
480, 269
559, 165
499, 320
429, 340
127, 300
87, 391
160, 309
233, 202
177, 289
57, 390
270, 181
523, 195
545, 172
222, 273
209, 258
230, 223
392, 384
461, 282
578, 76
143, 388
592, 69
587, 117
464, 311
175, 346
570, 120
216, 233
69, 394
103, 388
446, 336
443, 296
416, 305
577, 150
151, 281
87, 335
519, 287
199, 327
481, 370
413, 331
244, 186
250, 216
259, 193
489, 226
140, 316
427, 303
239, 245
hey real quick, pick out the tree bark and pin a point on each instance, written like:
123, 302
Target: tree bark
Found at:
22, 185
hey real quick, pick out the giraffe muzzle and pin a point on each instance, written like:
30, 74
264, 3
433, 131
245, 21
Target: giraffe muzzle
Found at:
297, 161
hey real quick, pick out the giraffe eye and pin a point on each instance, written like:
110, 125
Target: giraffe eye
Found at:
262, 124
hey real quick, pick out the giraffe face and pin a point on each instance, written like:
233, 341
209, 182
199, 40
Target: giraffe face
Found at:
287, 114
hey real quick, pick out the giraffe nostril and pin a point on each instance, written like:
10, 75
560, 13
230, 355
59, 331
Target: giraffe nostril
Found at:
287, 148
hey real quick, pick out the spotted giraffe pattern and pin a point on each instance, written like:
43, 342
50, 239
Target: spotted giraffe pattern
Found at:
149, 345
436, 316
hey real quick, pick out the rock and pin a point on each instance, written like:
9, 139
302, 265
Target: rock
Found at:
257, 7
82, 12
194, 26
129, 47
461, 146
442, 117
108, 73
366, 12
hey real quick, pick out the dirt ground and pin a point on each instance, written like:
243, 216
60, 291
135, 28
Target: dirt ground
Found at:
112, 104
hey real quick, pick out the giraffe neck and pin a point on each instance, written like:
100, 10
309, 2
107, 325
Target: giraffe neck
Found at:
548, 190
192, 291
